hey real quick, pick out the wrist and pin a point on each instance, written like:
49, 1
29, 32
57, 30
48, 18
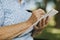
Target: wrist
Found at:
32, 19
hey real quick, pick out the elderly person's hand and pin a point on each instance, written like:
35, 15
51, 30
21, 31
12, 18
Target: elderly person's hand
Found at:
41, 25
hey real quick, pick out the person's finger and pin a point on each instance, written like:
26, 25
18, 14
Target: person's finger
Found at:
38, 13
36, 27
46, 20
41, 24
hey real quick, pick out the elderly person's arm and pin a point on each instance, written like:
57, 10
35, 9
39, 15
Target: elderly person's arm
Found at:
11, 31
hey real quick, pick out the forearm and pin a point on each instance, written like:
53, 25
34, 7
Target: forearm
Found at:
9, 32
12, 31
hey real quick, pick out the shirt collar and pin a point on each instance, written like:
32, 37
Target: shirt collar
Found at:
23, 1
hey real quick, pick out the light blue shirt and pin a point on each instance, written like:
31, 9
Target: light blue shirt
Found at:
11, 12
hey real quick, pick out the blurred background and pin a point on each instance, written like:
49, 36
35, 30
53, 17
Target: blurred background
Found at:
52, 31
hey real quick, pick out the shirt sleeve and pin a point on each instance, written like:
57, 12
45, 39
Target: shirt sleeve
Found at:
1, 14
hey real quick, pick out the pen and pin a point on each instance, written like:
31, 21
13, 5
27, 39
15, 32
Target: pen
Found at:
29, 11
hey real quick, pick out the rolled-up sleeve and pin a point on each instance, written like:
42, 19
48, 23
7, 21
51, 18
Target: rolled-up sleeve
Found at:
1, 14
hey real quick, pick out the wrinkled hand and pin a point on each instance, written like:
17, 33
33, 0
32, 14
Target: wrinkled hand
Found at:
39, 13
